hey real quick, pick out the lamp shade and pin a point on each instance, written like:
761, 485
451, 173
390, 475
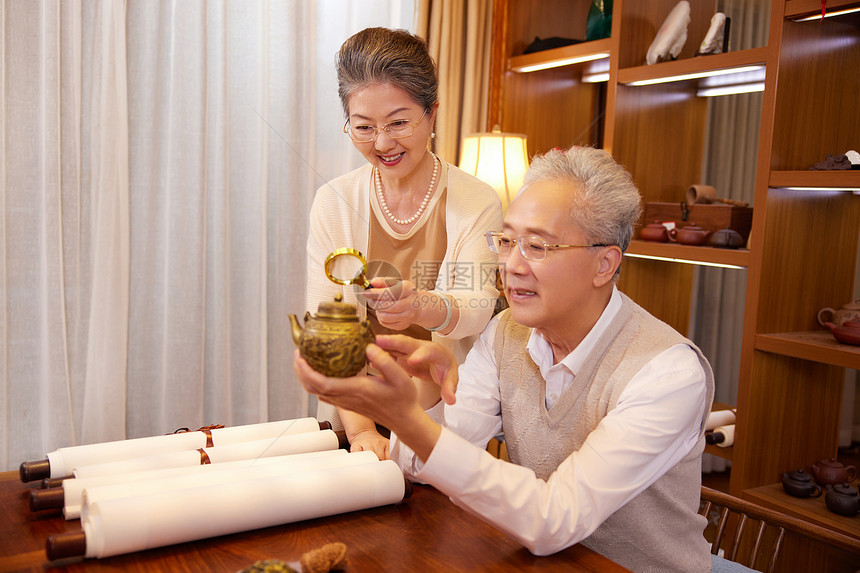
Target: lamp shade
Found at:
500, 159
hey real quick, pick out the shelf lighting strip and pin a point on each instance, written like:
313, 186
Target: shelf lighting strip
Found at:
561, 62
697, 75
854, 190
685, 261
731, 89
828, 14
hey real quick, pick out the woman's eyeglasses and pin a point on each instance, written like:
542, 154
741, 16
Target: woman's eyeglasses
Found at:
397, 129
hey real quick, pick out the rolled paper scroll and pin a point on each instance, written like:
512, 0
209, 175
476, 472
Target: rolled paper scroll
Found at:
61, 462
125, 525
266, 448
722, 436
93, 495
67, 494
720, 418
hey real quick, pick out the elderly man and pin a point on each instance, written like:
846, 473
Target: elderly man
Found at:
601, 404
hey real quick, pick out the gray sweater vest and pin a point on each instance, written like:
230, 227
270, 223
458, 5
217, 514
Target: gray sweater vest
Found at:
658, 530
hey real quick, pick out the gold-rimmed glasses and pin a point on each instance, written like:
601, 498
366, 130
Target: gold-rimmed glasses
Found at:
532, 248
396, 129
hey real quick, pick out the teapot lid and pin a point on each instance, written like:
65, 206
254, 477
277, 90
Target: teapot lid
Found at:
799, 475
337, 310
852, 305
831, 463
844, 489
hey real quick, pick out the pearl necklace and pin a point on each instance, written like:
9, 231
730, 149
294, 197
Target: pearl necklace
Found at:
424, 203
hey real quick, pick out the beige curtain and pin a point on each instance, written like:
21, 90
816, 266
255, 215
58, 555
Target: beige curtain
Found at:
157, 165
729, 165
458, 34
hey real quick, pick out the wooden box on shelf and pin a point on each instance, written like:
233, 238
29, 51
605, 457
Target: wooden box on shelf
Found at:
710, 217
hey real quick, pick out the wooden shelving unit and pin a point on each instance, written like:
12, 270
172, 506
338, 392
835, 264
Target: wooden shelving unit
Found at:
806, 224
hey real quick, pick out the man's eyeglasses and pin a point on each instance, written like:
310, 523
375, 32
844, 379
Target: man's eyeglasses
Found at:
397, 129
532, 248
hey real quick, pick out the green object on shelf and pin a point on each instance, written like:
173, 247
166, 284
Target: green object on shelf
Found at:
599, 23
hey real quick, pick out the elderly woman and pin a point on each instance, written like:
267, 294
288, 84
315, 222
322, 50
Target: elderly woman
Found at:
419, 221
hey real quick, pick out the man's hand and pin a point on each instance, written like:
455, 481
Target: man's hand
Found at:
425, 360
390, 398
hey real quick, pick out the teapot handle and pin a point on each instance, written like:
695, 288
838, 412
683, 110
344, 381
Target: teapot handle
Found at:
822, 319
818, 491
672, 234
853, 471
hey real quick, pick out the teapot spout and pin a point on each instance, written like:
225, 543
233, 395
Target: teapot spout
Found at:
295, 328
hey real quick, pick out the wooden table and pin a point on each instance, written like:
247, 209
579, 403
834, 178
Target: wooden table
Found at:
424, 533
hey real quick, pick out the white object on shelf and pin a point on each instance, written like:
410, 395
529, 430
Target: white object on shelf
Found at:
714, 38
671, 36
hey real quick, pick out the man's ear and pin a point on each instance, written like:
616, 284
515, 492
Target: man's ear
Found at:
608, 262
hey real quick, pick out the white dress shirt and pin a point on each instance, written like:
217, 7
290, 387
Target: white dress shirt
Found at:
656, 423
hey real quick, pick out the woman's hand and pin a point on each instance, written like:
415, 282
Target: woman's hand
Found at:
370, 441
397, 304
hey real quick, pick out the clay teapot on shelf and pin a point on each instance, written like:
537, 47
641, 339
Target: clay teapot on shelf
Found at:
334, 340
842, 499
847, 333
841, 316
691, 234
799, 484
655, 232
831, 472
726, 239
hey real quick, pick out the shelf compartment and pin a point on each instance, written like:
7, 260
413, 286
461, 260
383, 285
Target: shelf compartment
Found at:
666, 71
564, 56
816, 346
674, 252
813, 510
838, 179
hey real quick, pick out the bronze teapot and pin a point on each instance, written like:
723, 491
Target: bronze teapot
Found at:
799, 484
334, 341
831, 472
842, 499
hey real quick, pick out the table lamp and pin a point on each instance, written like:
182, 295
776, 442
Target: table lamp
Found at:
500, 159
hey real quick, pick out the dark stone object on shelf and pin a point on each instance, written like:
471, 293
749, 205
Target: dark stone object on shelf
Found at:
541, 44
799, 484
833, 163
842, 499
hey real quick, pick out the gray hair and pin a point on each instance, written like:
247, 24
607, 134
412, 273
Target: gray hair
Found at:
382, 55
606, 204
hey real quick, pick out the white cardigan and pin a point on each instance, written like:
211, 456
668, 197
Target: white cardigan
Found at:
340, 217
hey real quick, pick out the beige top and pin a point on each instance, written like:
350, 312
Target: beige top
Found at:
417, 255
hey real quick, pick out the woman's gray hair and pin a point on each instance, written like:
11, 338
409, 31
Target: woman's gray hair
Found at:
606, 204
383, 55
